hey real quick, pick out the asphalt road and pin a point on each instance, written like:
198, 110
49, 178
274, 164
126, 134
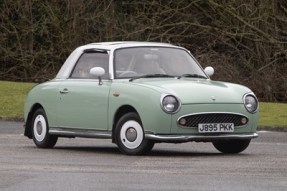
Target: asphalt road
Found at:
94, 164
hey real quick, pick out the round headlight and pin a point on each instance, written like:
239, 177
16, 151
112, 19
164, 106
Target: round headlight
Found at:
250, 103
170, 104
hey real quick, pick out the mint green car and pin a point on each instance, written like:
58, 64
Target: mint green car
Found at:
138, 94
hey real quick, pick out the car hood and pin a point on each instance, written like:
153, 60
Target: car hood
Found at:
198, 91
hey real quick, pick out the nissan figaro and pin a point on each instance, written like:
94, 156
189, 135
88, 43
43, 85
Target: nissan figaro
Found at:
138, 94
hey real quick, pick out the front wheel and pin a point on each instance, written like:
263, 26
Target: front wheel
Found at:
40, 131
231, 146
130, 136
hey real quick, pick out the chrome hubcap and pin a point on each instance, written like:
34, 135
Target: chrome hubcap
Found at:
39, 127
131, 134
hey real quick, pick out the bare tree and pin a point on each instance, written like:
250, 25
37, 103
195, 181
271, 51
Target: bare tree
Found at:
244, 40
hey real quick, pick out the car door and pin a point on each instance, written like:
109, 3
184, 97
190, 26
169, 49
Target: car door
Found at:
83, 102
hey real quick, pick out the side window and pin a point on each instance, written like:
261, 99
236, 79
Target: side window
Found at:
88, 61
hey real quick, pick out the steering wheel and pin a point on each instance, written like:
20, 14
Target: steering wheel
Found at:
128, 73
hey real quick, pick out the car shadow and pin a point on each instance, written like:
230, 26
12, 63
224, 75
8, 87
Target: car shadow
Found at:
154, 153
173, 153
91, 149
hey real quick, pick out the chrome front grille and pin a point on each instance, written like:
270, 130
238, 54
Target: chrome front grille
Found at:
193, 120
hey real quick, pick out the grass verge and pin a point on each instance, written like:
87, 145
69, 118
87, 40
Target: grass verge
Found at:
12, 97
273, 115
13, 94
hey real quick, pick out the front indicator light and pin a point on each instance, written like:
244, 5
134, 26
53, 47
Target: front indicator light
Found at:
243, 120
182, 121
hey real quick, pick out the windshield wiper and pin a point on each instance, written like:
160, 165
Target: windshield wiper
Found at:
152, 76
192, 76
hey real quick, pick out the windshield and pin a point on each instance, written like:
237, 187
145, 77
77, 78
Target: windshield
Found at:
141, 61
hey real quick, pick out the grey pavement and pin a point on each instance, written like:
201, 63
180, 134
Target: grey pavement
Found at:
95, 164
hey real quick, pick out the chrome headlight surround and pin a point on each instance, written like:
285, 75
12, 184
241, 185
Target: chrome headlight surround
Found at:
250, 102
170, 103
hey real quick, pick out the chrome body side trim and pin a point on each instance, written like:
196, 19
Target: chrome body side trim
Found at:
87, 133
199, 138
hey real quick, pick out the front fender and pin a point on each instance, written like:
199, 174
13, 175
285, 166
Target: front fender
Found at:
45, 95
146, 102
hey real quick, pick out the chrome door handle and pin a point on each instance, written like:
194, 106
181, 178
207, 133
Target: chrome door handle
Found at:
64, 91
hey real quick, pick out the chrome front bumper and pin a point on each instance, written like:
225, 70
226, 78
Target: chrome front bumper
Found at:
199, 138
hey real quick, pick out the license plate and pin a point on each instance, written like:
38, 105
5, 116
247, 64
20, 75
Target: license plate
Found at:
215, 127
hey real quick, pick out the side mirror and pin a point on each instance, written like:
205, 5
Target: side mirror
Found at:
98, 72
209, 71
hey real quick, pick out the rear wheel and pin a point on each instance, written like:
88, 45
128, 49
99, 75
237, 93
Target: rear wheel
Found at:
130, 136
231, 146
40, 130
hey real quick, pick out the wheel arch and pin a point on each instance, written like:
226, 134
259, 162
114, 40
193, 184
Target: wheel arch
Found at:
28, 124
118, 114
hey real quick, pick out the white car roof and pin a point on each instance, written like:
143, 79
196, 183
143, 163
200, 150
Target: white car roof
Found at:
122, 44
109, 46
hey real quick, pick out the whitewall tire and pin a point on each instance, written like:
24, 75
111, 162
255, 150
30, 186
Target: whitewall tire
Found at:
129, 135
40, 130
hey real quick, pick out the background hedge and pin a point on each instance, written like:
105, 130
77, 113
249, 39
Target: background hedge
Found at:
244, 40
